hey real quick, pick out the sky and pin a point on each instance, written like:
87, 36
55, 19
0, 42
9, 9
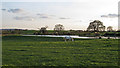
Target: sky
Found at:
73, 14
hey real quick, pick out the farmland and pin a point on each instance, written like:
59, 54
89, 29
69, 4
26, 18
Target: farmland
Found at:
47, 51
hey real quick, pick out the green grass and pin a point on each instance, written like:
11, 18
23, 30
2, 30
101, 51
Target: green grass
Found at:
28, 32
65, 32
44, 51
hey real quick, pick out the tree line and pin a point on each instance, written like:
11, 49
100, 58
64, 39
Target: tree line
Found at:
95, 26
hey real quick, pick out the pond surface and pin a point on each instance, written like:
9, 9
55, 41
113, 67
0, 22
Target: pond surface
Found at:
73, 36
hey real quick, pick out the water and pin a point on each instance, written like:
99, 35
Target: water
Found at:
73, 36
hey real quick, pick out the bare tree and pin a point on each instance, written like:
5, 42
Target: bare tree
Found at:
59, 27
43, 29
96, 26
109, 28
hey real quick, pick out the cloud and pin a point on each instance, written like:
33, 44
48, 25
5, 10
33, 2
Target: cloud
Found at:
3, 9
52, 15
63, 18
26, 18
15, 10
110, 16
44, 17
41, 14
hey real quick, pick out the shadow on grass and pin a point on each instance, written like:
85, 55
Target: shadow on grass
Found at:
17, 50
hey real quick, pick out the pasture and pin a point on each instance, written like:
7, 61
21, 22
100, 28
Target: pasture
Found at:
47, 51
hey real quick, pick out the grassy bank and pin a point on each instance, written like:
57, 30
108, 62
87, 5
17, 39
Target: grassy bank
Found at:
44, 51
65, 32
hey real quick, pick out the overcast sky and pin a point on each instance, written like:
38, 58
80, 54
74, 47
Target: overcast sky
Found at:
34, 14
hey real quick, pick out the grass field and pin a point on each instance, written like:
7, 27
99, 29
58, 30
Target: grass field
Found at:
44, 51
